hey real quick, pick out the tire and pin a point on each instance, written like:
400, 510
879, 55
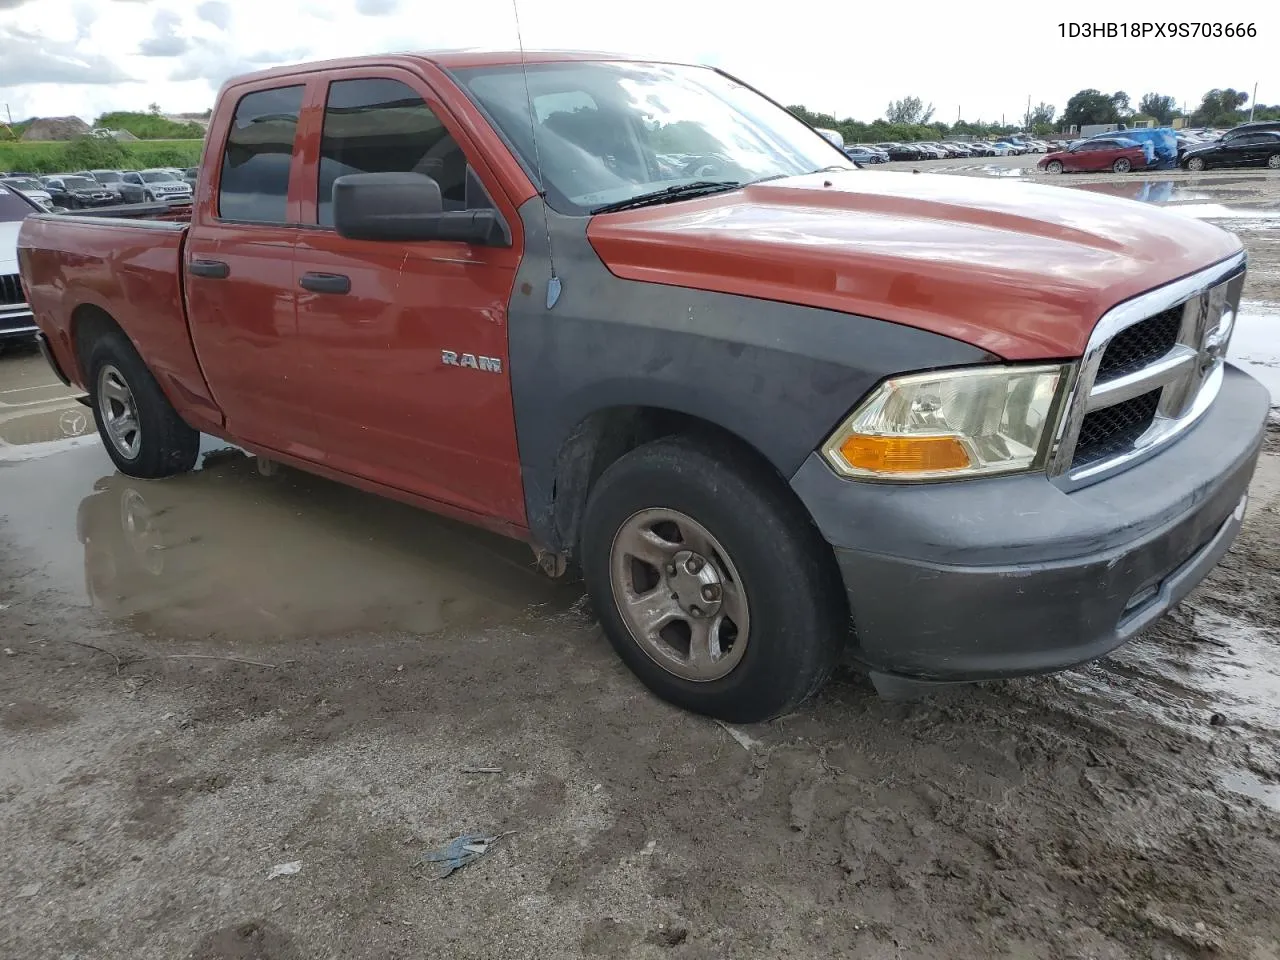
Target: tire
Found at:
773, 579
1273, 161
1196, 164
121, 387
1054, 166
1122, 165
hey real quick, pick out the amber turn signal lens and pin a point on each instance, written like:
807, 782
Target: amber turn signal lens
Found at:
904, 454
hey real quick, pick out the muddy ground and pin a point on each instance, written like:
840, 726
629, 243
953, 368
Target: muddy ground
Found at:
205, 678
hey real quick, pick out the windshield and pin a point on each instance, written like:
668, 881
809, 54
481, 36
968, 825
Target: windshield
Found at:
23, 183
79, 183
158, 176
13, 206
107, 176
607, 132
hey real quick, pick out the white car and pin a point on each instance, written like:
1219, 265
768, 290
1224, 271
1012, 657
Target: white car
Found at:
16, 320
30, 188
160, 185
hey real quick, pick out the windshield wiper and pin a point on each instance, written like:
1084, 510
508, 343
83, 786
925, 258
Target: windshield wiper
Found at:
679, 192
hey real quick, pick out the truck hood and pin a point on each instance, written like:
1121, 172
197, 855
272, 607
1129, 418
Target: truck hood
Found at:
1021, 270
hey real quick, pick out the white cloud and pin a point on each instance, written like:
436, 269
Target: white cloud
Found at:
216, 12
165, 41
78, 56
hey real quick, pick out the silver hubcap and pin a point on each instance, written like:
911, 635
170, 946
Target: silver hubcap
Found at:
1196, 164
119, 412
1055, 167
679, 594
1122, 166
1273, 161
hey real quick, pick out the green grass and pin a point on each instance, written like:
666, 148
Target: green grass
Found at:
88, 153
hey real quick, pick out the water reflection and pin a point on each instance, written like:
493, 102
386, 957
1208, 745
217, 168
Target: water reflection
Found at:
227, 552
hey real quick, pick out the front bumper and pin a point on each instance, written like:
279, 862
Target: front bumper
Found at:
1006, 576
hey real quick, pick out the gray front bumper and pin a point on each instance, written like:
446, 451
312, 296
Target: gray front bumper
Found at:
991, 578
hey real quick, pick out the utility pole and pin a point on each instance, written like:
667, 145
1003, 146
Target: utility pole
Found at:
1254, 102
1028, 117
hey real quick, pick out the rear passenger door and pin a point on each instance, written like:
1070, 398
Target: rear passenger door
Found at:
239, 272
387, 406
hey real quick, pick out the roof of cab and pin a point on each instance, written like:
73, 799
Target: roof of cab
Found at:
445, 59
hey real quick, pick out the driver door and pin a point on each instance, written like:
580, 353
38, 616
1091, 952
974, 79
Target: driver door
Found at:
377, 319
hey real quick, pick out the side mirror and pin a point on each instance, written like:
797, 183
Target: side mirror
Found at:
408, 207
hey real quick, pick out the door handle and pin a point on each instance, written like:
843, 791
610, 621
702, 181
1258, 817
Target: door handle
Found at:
213, 269
325, 282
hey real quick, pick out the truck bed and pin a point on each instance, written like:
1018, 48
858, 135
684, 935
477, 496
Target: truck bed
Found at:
127, 267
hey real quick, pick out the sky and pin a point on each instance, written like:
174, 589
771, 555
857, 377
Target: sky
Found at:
979, 61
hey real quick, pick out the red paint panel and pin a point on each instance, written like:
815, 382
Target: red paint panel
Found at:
1021, 270
132, 274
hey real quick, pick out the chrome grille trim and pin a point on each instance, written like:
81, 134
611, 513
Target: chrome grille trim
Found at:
1189, 375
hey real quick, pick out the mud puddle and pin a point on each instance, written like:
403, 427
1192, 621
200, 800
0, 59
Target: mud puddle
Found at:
1255, 345
228, 554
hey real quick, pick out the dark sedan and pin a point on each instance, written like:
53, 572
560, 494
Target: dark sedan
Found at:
79, 193
900, 151
1259, 148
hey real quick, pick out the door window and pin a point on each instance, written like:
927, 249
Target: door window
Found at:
383, 126
255, 164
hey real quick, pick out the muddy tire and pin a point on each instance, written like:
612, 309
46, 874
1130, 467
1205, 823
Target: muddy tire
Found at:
143, 434
1122, 165
1054, 166
711, 582
1196, 164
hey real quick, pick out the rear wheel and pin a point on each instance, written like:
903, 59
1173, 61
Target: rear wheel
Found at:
711, 583
1273, 161
1122, 165
1196, 163
143, 434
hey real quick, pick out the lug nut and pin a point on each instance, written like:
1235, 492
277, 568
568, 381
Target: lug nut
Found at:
710, 592
694, 565
671, 569
696, 610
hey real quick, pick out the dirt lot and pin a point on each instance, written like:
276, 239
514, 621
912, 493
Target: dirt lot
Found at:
207, 677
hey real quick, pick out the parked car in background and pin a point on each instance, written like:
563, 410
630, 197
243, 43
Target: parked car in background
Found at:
189, 175
1259, 148
31, 188
863, 154
958, 149
900, 151
114, 181
16, 320
160, 185
1103, 153
1011, 148
1253, 126
981, 148
78, 193
931, 150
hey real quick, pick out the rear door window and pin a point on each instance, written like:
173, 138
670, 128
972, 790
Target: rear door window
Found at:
255, 164
381, 125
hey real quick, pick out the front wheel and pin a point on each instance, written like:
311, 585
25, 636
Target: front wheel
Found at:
143, 434
1196, 164
1273, 161
1054, 166
711, 582
1122, 165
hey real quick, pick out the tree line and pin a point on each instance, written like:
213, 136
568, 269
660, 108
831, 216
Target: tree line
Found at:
912, 119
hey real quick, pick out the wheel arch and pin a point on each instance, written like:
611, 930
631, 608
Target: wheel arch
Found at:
89, 323
605, 435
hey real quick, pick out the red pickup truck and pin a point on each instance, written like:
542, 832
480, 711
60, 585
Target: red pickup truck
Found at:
775, 409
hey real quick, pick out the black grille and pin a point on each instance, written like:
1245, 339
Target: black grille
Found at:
11, 289
1113, 430
1136, 346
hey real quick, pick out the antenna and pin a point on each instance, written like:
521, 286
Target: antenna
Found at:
553, 284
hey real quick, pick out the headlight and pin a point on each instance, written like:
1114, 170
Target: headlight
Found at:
951, 424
